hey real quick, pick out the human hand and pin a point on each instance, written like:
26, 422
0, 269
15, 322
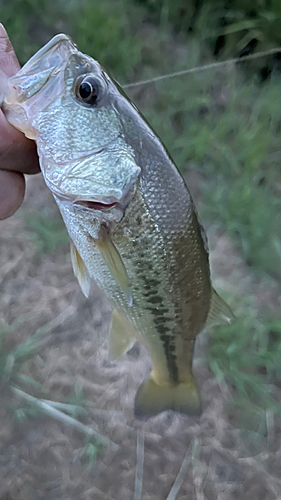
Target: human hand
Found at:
17, 153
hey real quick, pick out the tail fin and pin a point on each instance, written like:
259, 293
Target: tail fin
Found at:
152, 398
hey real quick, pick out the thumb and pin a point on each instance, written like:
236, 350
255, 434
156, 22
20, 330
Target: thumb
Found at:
8, 60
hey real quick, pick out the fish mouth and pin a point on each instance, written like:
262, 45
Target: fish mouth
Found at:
44, 66
95, 205
52, 44
87, 202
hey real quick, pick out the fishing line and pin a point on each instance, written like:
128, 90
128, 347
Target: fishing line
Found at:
205, 67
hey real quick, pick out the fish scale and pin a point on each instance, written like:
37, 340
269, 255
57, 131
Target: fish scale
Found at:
147, 269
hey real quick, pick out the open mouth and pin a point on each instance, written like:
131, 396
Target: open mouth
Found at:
95, 205
91, 204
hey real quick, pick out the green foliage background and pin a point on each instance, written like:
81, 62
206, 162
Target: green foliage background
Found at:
223, 124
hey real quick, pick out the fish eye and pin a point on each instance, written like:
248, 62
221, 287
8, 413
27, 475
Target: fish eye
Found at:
88, 90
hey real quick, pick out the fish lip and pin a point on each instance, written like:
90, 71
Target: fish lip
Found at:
57, 39
95, 205
60, 46
88, 202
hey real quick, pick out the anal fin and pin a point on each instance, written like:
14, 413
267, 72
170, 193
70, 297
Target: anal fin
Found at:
121, 336
80, 270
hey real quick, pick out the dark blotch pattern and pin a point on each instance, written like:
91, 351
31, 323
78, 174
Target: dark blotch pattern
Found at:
158, 311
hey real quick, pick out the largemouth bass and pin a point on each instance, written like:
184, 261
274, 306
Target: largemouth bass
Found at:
132, 222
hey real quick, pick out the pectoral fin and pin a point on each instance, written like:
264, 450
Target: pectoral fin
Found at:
80, 270
121, 336
219, 312
152, 398
114, 262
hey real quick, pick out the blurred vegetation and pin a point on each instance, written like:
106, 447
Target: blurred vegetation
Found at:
48, 232
14, 382
246, 356
228, 26
223, 124
229, 129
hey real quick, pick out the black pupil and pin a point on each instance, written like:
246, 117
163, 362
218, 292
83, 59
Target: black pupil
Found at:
86, 90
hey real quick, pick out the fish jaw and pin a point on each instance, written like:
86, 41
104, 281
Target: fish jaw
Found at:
23, 89
49, 61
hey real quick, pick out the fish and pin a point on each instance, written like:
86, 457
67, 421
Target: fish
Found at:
132, 222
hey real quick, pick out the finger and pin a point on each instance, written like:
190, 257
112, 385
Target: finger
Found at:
12, 189
16, 151
8, 59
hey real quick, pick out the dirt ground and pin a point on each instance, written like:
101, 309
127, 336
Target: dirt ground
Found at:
42, 458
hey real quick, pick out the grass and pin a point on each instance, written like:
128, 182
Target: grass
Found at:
225, 124
13, 382
47, 231
245, 359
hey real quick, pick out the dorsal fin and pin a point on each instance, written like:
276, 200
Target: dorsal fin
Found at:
80, 270
219, 312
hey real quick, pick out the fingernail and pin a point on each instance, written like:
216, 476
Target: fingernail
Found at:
3, 32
